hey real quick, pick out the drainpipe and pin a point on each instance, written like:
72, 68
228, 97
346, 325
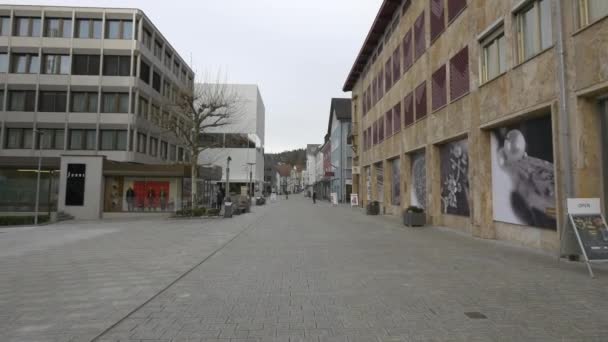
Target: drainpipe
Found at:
565, 150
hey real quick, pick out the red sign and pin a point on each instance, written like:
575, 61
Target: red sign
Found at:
329, 174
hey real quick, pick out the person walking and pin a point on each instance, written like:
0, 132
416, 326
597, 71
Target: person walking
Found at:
130, 199
219, 197
314, 197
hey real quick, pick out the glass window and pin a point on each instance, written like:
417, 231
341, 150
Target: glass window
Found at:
5, 26
153, 147
117, 65
56, 64
493, 58
3, 62
156, 81
84, 102
119, 29
25, 64
143, 107
21, 101
158, 49
52, 101
163, 150
107, 140
115, 103
121, 140
27, 27
168, 58
141, 142
58, 27
144, 72
14, 138
51, 139
76, 139
534, 29
147, 39
597, 9
172, 153
89, 139
85, 65
58, 141
88, 28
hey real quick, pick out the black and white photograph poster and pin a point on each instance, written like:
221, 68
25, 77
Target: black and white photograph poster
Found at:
380, 182
523, 176
418, 186
454, 159
396, 182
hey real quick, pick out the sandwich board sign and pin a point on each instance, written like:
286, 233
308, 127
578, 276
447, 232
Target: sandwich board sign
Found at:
334, 198
354, 200
585, 216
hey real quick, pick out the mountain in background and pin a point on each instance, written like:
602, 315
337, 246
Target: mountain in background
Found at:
294, 157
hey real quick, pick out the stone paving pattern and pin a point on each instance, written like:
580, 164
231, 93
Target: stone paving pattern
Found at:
297, 272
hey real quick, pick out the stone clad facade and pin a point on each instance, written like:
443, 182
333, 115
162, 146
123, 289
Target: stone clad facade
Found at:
503, 144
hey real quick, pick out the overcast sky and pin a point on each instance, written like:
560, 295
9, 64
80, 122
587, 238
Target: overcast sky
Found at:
298, 52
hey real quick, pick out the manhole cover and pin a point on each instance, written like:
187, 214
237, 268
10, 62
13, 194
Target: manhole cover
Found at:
475, 315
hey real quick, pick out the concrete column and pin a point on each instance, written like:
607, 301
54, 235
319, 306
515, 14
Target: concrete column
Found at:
433, 185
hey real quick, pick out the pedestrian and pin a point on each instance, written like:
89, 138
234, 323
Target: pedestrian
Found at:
314, 197
130, 199
219, 197
151, 199
163, 199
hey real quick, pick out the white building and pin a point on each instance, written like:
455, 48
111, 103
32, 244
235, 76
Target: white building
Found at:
242, 140
311, 165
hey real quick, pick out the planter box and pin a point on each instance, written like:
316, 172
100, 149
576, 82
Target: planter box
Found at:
411, 219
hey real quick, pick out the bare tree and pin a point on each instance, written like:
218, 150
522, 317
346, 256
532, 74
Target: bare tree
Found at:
211, 105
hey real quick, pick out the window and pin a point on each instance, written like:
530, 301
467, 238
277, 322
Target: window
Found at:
52, 101
88, 28
1, 99
438, 88
146, 39
25, 63
408, 58
494, 55
3, 62
381, 129
158, 49
184, 77
113, 140
396, 65
56, 64
176, 68
85, 65
172, 153
591, 11
19, 138
421, 106
119, 29
397, 118
142, 140
168, 58
144, 72
156, 81
155, 115
115, 103
534, 31
455, 7
82, 139
58, 27
364, 139
369, 137
21, 101
117, 65
437, 18
84, 102
167, 89
5, 26
153, 147
52, 139
419, 37
27, 27
163, 150
388, 69
143, 107
408, 110
459, 74
389, 123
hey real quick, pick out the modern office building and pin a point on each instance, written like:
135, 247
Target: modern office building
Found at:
94, 84
242, 139
487, 113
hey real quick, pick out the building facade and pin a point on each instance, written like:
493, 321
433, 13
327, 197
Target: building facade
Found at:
487, 113
86, 82
311, 165
339, 131
242, 140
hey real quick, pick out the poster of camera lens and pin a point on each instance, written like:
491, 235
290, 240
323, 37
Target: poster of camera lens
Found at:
380, 182
593, 234
396, 182
454, 159
523, 177
418, 186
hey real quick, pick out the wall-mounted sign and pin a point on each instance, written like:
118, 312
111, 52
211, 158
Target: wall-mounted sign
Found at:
75, 184
356, 170
590, 228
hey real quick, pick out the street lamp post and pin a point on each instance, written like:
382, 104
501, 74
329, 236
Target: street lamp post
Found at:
227, 196
38, 135
251, 178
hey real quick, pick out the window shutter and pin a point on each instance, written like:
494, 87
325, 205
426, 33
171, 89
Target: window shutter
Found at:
421, 106
397, 118
437, 18
459, 74
407, 51
455, 7
389, 123
408, 109
419, 37
439, 91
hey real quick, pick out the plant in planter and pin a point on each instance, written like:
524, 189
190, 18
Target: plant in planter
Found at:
414, 217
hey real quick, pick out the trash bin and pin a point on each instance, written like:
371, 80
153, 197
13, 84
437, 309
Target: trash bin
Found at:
228, 210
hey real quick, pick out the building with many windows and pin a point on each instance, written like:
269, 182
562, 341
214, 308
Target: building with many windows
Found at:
87, 82
488, 114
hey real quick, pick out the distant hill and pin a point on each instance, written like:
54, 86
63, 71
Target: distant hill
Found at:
294, 157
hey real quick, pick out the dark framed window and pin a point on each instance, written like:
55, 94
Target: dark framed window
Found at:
381, 130
156, 81
158, 49
421, 105
113, 140
408, 110
408, 57
56, 64
459, 74
5, 26
380, 85
115, 103
4, 62
27, 27
397, 118
142, 142
168, 59
19, 138
52, 101
164, 149
419, 37
180, 154
455, 7
119, 29
144, 72
237, 140
143, 107
172, 153
25, 63
116, 65
388, 118
437, 18
397, 64
369, 137
84, 102
364, 139
388, 72
176, 68
85, 65
212, 140
52, 139
82, 139
58, 27
1, 99
88, 28
153, 147
146, 39
439, 95
21, 100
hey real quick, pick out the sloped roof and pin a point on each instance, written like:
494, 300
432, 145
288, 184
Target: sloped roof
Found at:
343, 110
284, 170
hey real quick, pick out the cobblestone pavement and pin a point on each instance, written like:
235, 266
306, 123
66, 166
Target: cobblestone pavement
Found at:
309, 272
296, 272
70, 282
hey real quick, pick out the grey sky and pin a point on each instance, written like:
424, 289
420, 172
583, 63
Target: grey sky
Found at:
298, 52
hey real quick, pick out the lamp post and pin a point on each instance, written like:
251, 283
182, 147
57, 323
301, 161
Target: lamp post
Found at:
227, 196
251, 178
38, 136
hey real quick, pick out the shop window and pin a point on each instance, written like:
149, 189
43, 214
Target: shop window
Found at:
52, 101
437, 18
494, 55
439, 90
88, 28
420, 101
534, 30
58, 27
459, 74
